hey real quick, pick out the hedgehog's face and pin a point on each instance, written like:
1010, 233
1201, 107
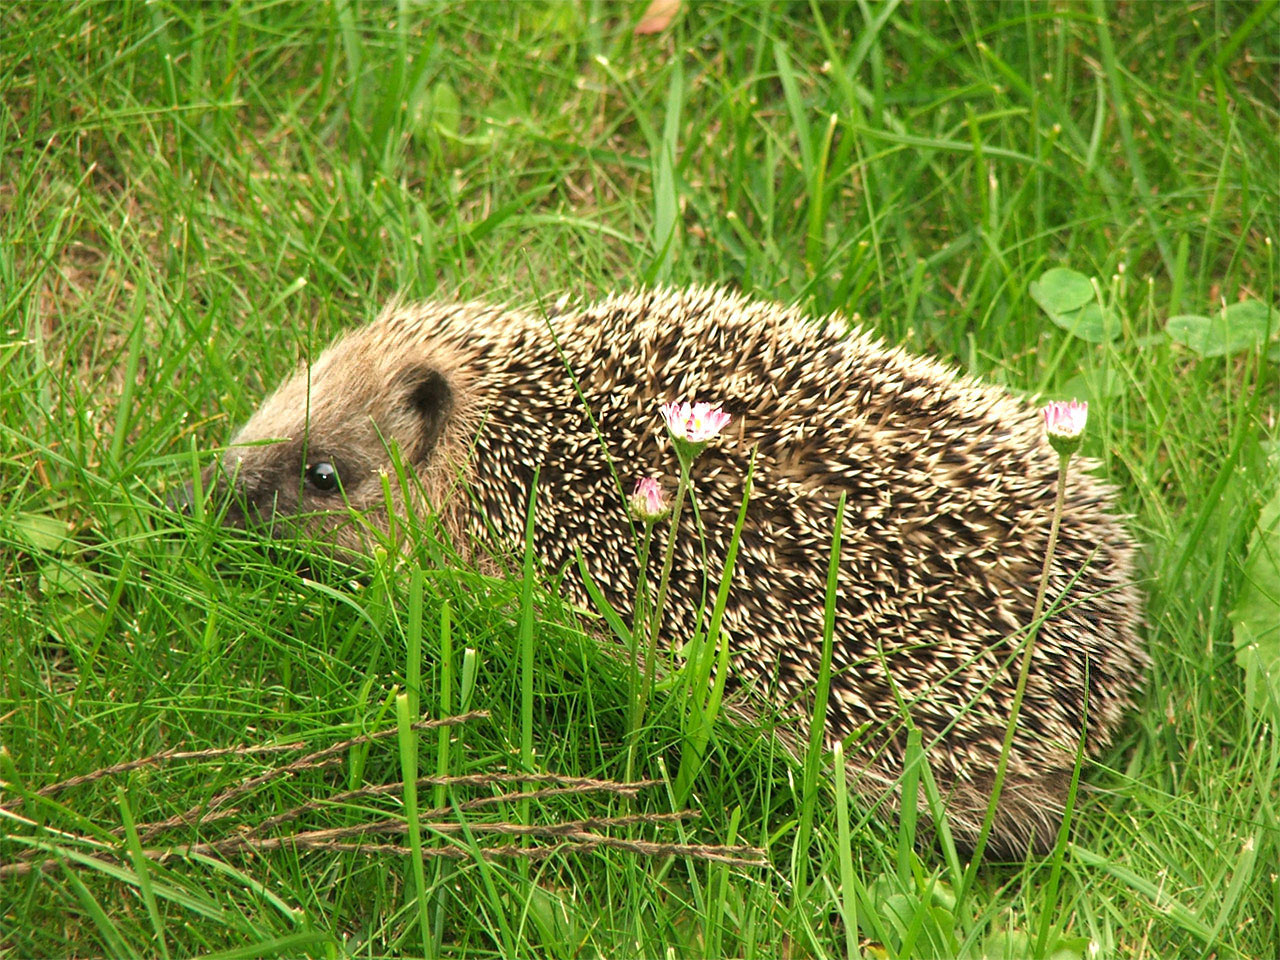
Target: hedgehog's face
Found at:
313, 457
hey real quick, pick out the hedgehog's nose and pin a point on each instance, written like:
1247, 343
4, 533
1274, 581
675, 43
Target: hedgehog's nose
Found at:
182, 500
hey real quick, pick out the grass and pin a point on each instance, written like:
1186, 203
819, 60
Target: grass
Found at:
194, 196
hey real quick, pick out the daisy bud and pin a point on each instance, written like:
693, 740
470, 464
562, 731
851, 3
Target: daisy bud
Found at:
649, 504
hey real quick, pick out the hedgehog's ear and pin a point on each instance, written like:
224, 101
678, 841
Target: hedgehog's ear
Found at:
428, 394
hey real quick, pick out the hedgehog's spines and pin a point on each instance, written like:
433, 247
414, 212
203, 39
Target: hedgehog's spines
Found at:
948, 484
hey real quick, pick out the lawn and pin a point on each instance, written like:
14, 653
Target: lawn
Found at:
197, 734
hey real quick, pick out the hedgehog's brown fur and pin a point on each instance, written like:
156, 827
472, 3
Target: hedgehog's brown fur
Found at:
949, 487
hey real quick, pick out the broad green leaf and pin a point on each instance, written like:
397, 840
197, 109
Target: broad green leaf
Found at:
58, 577
1241, 326
437, 113
38, 531
1254, 313
446, 109
1068, 298
1090, 323
1271, 450
1094, 385
1189, 329
1061, 290
1256, 617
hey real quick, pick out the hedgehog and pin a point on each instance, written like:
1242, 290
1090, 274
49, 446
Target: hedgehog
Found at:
948, 486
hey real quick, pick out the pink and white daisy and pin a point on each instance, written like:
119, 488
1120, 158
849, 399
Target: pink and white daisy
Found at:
694, 423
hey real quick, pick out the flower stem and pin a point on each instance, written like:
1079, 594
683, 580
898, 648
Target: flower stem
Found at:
1058, 504
638, 619
664, 581
1024, 671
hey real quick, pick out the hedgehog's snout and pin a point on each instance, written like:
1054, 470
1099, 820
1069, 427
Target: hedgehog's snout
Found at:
182, 500
223, 495
233, 508
237, 501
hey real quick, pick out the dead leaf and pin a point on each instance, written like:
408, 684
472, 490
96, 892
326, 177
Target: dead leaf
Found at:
657, 16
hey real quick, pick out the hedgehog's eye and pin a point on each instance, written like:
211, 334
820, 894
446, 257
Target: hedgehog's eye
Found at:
322, 476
